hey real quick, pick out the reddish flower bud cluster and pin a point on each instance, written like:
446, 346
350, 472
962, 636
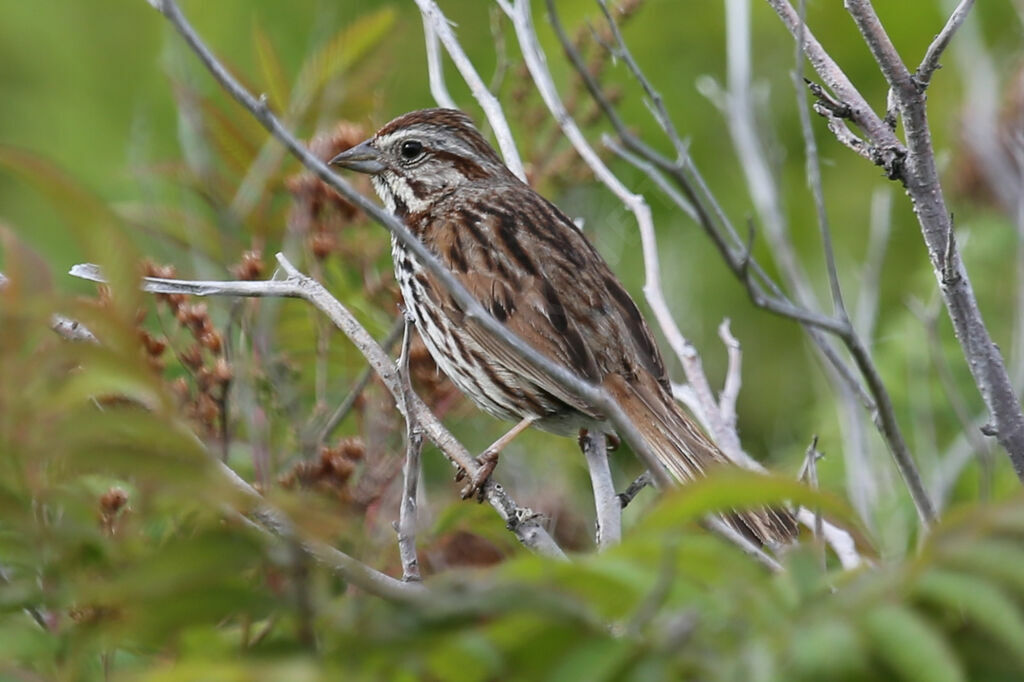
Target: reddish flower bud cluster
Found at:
250, 268
317, 210
112, 503
204, 358
331, 473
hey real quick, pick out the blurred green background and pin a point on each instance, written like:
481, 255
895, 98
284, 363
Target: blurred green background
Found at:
88, 86
105, 97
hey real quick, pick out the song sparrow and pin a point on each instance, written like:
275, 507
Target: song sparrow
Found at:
529, 265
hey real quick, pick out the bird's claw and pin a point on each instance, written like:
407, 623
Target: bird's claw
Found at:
486, 463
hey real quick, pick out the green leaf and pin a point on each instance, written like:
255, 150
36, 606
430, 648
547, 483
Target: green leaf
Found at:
189, 230
237, 143
979, 601
341, 52
593, 660
97, 228
910, 646
998, 559
727, 490
826, 650
274, 79
465, 656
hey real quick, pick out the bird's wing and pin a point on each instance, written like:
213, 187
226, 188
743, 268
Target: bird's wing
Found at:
533, 270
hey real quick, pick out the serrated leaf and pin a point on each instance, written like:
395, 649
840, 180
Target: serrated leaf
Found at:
910, 646
274, 79
189, 230
341, 52
979, 601
236, 144
97, 228
726, 490
107, 376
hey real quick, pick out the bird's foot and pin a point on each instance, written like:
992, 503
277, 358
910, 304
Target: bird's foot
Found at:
486, 462
613, 441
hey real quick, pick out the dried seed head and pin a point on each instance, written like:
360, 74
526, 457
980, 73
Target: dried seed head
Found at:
250, 267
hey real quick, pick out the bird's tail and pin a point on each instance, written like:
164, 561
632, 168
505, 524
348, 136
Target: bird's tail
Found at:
683, 449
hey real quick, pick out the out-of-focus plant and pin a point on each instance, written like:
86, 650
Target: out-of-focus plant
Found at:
126, 552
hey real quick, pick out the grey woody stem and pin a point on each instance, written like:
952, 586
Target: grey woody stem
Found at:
606, 502
921, 180
267, 519
474, 311
520, 520
697, 201
407, 520
276, 523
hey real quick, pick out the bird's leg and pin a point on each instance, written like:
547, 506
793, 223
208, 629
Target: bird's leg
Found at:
488, 459
613, 440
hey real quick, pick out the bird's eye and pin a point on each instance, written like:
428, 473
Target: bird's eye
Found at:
411, 149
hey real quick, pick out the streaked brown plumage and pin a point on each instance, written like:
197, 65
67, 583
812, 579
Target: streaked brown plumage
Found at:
527, 263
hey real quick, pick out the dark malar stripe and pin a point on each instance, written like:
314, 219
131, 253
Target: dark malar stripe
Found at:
418, 189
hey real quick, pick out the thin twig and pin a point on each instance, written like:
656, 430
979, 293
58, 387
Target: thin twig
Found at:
410, 470
641, 482
813, 164
271, 520
733, 377
492, 108
878, 133
435, 70
921, 180
501, 65
885, 420
866, 308
475, 313
809, 473
738, 112
623, 52
522, 521
609, 508
357, 389
930, 63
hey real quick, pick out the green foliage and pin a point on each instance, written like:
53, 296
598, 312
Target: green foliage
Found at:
121, 556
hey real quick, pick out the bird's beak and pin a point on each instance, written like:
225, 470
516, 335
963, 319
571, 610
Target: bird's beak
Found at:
362, 158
